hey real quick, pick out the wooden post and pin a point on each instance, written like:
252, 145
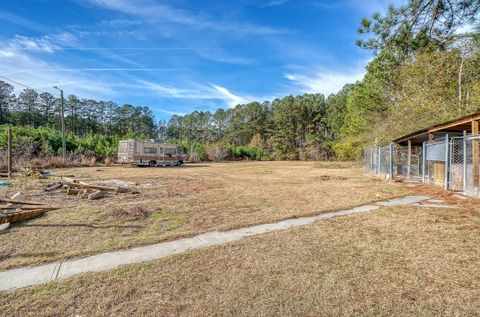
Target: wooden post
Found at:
9, 152
464, 161
445, 176
424, 160
431, 136
475, 154
390, 170
409, 158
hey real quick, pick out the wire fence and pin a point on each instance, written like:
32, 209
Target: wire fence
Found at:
448, 162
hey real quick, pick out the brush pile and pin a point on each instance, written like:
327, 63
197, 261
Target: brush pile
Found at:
85, 190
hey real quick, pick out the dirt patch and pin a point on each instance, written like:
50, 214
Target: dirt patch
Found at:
331, 178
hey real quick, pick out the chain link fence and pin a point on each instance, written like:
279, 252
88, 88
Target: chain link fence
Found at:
394, 159
472, 178
378, 160
447, 162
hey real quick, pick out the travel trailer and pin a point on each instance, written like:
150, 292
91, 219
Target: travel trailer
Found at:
150, 153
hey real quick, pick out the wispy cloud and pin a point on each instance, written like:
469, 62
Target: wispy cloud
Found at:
199, 92
273, 3
15, 19
20, 62
159, 13
324, 81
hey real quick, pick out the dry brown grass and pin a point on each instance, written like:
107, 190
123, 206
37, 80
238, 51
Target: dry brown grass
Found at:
408, 261
179, 202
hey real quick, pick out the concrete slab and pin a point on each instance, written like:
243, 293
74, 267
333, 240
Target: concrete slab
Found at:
26, 276
407, 200
435, 205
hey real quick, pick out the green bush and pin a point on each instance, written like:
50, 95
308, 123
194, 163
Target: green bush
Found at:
47, 141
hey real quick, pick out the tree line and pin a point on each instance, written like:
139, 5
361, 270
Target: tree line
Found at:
424, 72
82, 116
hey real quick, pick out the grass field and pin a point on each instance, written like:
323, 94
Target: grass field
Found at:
411, 261
179, 202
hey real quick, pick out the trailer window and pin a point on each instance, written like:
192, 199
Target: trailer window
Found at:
150, 150
180, 151
169, 151
161, 150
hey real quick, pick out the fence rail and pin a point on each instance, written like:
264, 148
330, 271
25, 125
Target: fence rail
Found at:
448, 162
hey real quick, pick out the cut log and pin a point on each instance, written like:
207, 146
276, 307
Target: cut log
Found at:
73, 191
83, 193
96, 195
78, 184
121, 189
23, 215
53, 186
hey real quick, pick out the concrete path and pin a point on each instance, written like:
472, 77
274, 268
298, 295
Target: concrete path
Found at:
28, 276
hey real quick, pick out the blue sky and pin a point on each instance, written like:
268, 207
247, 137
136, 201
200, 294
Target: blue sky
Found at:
178, 56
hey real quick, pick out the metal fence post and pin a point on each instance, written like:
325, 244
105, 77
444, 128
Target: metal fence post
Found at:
464, 161
379, 160
424, 160
447, 148
391, 161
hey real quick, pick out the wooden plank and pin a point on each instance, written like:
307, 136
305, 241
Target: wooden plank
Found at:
26, 207
22, 202
24, 215
409, 158
455, 123
475, 153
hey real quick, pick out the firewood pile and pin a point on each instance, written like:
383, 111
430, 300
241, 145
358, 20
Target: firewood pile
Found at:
16, 208
85, 190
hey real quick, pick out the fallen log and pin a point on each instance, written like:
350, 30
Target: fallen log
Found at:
96, 195
26, 207
22, 215
21, 202
80, 184
53, 186
73, 191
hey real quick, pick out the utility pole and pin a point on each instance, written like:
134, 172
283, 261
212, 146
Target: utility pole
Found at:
9, 153
62, 123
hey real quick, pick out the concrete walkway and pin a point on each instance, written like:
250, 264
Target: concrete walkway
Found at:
28, 276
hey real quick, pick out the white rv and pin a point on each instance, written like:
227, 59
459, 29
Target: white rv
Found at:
150, 153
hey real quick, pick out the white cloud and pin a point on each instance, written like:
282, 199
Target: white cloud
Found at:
273, 3
199, 92
158, 13
18, 62
324, 81
231, 98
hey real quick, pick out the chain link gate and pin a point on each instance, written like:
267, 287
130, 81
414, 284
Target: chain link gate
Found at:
472, 181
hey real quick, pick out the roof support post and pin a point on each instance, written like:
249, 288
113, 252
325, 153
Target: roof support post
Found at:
447, 149
391, 161
475, 153
409, 158
424, 161
464, 161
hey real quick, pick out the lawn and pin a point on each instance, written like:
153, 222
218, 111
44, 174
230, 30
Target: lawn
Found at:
180, 202
412, 261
